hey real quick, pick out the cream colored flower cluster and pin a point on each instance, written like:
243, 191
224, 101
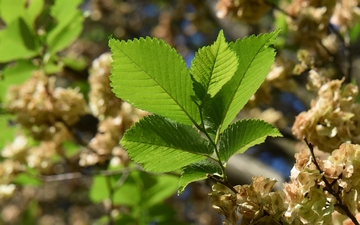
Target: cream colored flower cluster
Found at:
47, 112
115, 117
39, 102
310, 19
346, 14
315, 192
249, 11
333, 118
102, 100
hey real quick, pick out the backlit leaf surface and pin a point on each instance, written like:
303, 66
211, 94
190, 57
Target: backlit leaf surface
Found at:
240, 136
213, 66
161, 145
255, 60
152, 76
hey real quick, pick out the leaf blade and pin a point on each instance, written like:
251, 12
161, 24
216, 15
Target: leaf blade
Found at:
255, 60
213, 66
161, 145
243, 134
197, 171
152, 76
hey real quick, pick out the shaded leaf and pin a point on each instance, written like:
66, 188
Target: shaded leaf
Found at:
11, 10
9, 132
213, 66
161, 145
243, 134
68, 27
17, 41
197, 171
152, 76
33, 11
99, 189
144, 189
15, 74
255, 59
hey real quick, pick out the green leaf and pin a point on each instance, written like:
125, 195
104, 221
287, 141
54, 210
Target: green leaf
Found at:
144, 189
99, 189
354, 32
197, 171
71, 148
62, 10
17, 41
161, 145
163, 187
33, 11
255, 60
69, 24
152, 76
15, 74
11, 10
243, 134
28, 179
213, 66
8, 133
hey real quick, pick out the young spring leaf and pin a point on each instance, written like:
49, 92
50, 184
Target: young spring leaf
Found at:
243, 134
18, 41
152, 76
197, 171
68, 27
144, 189
255, 59
213, 66
11, 10
161, 145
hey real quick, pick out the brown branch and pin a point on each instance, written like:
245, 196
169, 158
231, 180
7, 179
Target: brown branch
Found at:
329, 186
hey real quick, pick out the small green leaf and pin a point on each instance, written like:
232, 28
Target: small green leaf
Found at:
63, 35
156, 192
15, 74
11, 10
68, 27
28, 179
197, 171
71, 148
213, 66
99, 189
33, 11
62, 10
8, 133
161, 145
255, 60
17, 41
243, 134
152, 76
354, 32
145, 189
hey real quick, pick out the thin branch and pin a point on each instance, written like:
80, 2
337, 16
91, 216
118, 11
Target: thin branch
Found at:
220, 180
329, 186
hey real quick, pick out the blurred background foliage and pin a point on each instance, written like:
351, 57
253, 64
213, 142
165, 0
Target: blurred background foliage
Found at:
60, 161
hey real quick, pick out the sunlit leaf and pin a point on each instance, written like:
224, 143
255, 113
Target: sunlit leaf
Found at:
255, 59
213, 66
197, 171
161, 145
152, 76
240, 136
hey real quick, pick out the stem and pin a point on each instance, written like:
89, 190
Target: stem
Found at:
328, 186
111, 195
224, 179
221, 181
